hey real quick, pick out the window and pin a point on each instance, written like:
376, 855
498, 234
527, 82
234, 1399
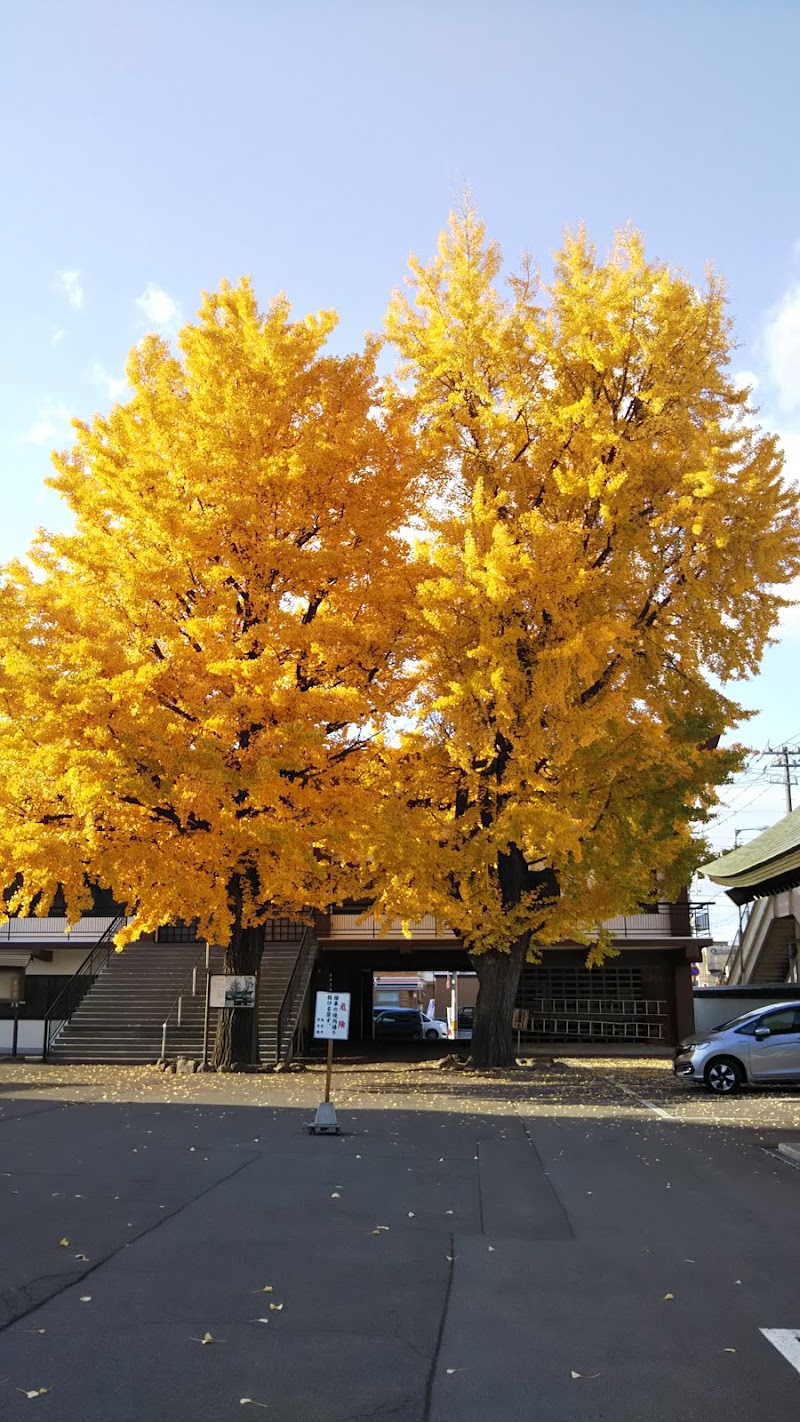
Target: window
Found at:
781, 1022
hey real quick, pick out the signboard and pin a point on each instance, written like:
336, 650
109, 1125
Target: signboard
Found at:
12, 985
332, 1015
229, 991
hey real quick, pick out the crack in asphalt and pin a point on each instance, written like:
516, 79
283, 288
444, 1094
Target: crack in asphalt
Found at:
35, 1111
546, 1174
10, 1295
431, 1378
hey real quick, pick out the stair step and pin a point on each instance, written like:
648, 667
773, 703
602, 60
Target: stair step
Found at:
120, 1018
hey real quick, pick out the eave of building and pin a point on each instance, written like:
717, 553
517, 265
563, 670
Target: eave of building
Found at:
767, 865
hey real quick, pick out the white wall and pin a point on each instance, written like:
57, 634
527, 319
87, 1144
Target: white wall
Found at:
65, 962
713, 1006
29, 1040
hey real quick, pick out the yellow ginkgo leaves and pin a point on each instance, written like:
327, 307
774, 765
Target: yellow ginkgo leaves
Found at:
260, 484
608, 522
239, 687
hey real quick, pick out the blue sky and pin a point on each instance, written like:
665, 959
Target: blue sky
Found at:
150, 150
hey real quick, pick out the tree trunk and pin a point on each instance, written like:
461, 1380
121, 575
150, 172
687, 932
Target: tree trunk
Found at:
236, 1039
498, 980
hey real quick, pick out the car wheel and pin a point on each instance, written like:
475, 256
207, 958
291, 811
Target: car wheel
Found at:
724, 1076
431, 1036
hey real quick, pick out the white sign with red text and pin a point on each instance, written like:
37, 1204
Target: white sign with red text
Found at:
332, 1015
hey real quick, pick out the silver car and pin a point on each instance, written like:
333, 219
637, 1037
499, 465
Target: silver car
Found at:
432, 1028
760, 1047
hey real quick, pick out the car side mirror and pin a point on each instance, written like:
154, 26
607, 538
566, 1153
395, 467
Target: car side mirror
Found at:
761, 1032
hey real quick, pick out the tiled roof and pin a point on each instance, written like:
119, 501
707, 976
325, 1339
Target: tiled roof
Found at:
772, 854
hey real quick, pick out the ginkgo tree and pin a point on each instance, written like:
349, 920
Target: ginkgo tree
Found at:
236, 688
604, 553
194, 677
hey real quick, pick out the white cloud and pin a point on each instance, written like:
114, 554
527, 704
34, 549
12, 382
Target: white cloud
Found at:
69, 285
789, 621
114, 386
790, 443
781, 346
57, 335
51, 426
746, 379
158, 307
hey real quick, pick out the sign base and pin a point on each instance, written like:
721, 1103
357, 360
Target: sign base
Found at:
325, 1122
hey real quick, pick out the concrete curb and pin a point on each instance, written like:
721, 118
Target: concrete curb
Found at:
791, 1149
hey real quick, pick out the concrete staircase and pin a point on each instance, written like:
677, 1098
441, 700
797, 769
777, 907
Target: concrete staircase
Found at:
766, 951
121, 1017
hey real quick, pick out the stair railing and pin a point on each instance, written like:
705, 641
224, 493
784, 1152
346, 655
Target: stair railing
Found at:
296, 989
61, 1011
176, 1009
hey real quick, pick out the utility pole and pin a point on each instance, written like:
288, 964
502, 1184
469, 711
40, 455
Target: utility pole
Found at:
787, 760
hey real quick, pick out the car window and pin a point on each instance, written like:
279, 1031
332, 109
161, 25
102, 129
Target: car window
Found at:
780, 1022
735, 1022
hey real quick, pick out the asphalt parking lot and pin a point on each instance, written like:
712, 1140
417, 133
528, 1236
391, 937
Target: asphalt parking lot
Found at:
582, 1239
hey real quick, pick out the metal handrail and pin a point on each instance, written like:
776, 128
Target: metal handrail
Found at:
735, 960
295, 990
177, 1006
72, 995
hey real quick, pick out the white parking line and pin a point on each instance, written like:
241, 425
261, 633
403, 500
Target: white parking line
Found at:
649, 1104
787, 1342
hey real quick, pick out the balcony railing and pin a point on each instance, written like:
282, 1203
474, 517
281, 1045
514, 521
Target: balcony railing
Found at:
358, 925
56, 930
665, 921
682, 920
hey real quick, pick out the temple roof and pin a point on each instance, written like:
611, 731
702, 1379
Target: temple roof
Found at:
765, 865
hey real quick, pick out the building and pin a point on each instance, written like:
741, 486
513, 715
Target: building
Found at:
150, 999
763, 878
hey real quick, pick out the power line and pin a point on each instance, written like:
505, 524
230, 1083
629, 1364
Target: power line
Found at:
787, 759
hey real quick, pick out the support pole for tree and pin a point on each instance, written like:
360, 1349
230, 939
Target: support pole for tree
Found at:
207, 1008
